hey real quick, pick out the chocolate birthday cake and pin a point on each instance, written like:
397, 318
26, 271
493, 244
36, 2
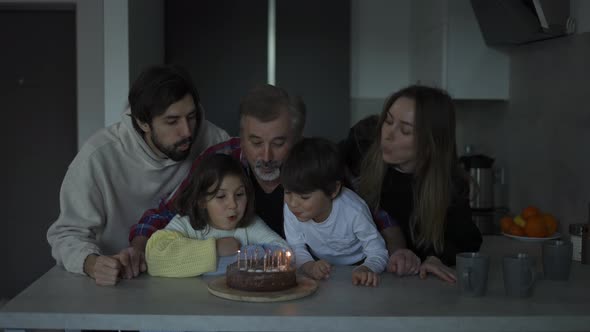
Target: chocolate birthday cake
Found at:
259, 278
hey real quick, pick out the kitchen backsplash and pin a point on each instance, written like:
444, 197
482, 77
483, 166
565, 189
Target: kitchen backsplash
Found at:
541, 134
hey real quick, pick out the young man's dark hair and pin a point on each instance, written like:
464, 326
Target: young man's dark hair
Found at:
158, 87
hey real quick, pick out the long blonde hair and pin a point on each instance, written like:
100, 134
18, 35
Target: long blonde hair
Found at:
436, 164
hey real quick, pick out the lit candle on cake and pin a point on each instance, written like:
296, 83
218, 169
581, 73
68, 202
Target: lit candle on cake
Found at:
238, 259
246, 256
264, 259
288, 254
255, 256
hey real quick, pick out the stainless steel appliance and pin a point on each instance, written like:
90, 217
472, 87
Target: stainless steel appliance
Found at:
481, 186
481, 190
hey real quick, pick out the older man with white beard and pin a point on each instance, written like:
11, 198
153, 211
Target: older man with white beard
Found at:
271, 122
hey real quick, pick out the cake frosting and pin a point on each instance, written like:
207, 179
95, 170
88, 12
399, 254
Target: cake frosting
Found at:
257, 280
261, 269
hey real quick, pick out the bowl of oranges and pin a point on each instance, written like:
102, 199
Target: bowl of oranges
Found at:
531, 225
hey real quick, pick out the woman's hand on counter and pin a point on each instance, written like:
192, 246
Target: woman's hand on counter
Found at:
433, 265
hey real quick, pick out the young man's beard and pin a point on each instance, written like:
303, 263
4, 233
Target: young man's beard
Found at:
172, 152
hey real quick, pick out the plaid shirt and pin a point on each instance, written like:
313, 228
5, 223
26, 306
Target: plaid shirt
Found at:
156, 219
383, 220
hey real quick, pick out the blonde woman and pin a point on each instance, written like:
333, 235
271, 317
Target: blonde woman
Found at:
411, 173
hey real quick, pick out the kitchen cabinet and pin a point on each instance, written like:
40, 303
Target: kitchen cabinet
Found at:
447, 50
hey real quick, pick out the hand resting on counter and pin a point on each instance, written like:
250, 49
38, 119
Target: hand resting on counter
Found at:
107, 270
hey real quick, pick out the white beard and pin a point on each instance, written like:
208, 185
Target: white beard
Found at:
272, 176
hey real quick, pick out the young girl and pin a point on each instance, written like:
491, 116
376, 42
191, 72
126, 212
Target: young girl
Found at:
329, 219
216, 217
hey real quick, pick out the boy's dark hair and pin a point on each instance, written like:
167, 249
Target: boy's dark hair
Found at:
313, 164
210, 172
158, 87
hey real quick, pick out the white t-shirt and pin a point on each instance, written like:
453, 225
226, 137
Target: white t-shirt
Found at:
346, 237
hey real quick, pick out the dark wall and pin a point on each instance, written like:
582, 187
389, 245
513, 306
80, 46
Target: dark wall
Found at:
313, 60
38, 137
146, 36
224, 45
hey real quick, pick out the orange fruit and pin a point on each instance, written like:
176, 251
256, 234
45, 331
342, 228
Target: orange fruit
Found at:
505, 224
550, 223
515, 230
535, 227
530, 211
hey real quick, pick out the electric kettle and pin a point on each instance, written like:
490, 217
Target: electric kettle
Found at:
481, 184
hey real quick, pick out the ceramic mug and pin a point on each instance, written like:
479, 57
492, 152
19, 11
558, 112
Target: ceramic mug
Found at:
557, 259
472, 273
519, 275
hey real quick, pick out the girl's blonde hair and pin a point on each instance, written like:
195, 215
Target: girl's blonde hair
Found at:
436, 164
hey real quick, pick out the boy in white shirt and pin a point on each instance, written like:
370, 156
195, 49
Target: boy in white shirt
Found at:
327, 218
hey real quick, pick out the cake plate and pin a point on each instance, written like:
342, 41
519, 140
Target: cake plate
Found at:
305, 286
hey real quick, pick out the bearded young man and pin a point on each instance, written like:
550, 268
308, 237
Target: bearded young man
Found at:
124, 169
271, 121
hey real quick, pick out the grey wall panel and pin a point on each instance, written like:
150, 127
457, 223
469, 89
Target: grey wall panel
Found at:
38, 137
223, 44
313, 60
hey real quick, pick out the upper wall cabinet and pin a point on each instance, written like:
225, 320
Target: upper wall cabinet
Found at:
447, 50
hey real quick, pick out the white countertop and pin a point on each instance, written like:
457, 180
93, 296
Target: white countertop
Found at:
61, 300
